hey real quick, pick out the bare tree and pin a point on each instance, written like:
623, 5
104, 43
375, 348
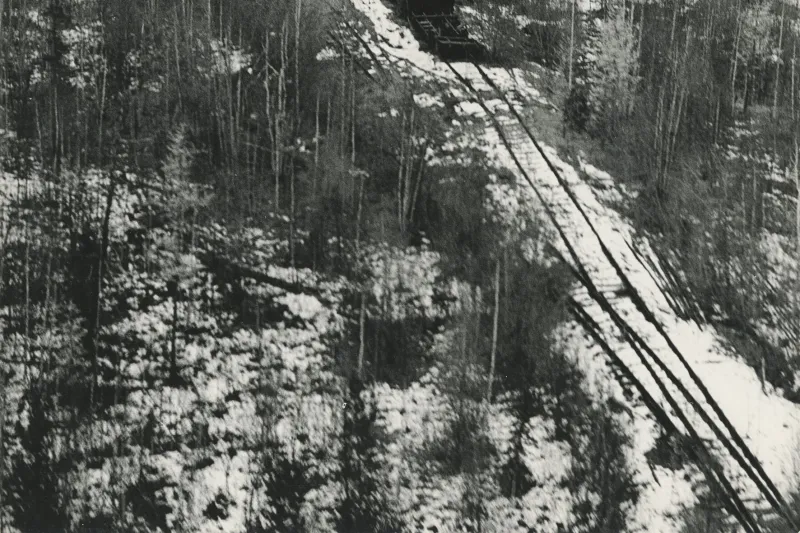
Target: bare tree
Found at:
495, 323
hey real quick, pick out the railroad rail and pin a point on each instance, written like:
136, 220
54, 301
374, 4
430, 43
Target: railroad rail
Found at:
645, 359
607, 293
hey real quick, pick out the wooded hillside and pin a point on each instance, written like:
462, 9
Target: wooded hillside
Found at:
254, 276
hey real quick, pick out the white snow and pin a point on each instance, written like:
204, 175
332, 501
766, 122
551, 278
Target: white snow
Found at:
469, 109
327, 54
427, 100
228, 59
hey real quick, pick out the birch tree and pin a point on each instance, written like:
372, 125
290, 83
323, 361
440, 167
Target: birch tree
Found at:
778, 59
614, 78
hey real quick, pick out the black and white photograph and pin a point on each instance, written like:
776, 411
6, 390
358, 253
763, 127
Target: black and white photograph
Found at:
399, 266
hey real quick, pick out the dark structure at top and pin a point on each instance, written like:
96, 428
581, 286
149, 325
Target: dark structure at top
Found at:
431, 7
438, 24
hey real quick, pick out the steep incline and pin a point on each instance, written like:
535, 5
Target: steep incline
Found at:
768, 423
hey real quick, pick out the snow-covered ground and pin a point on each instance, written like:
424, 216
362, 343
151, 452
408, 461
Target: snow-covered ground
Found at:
769, 423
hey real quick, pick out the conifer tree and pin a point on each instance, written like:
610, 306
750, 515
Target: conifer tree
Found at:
35, 486
600, 477
287, 480
364, 507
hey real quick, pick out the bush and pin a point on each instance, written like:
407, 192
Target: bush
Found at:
545, 41
576, 108
36, 486
602, 479
455, 222
365, 507
464, 446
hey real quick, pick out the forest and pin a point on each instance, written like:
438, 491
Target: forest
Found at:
263, 270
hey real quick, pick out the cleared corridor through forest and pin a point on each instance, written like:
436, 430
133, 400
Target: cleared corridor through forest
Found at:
620, 302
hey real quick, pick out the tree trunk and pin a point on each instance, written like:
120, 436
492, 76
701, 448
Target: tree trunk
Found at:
297, 17
359, 210
495, 324
352, 116
2, 417
418, 183
570, 60
95, 330
792, 95
282, 98
641, 35
28, 299
400, 173
361, 328
101, 120
291, 212
797, 186
747, 77
316, 148
3, 117
408, 175
344, 107
735, 60
571, 45
674, 26
268, 111
679, 116
173, 350
778, 65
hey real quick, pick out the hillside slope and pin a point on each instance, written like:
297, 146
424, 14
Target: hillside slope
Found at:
769, 423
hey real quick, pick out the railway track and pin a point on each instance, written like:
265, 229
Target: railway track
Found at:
644, 358
607, 304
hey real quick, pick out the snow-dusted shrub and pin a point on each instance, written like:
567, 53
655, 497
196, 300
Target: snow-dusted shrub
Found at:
404, 281
464, 446
457, 224
577, 112
367, 503
601, 480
